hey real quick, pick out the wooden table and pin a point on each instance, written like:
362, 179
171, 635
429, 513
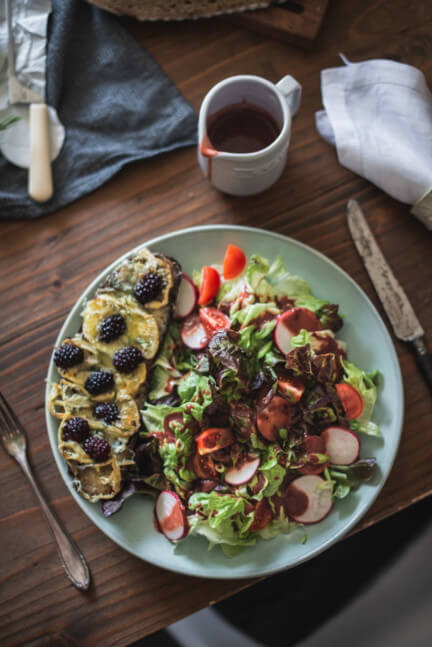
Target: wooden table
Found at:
47, 263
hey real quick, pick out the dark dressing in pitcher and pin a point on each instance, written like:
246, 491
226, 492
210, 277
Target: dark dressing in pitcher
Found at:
241, 128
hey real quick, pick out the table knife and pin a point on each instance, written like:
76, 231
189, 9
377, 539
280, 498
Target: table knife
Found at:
40, 184
405, 324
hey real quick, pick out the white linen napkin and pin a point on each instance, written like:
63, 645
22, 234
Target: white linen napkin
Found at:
378, 114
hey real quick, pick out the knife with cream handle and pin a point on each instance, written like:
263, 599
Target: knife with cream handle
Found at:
40, 184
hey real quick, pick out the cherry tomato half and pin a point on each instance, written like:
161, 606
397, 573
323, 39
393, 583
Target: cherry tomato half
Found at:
276, 415
351, 400
213, 319
203, 467
209, 286
211, 440
262, 516
290, 387
234, 262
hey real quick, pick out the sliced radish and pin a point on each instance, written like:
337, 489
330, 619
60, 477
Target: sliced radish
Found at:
290, 323
193, 333
240, 474
282, 336
187, 297
275, 416
171, 516
308, 499
342, 445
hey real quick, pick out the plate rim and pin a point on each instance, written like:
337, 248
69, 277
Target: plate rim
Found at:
262, 571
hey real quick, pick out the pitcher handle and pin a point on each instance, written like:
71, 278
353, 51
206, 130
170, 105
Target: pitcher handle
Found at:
292, 91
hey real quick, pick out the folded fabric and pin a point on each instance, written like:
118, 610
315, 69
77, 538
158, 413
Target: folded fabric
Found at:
116, 104
378, 114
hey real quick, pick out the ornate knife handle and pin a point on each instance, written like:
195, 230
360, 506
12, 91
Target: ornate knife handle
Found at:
424, 360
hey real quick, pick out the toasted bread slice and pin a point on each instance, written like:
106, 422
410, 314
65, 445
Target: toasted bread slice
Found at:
144, 327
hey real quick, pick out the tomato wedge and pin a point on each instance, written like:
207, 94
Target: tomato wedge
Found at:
209, 286
262, 516
234, 262
211, 440
290, 387
276, 415
213, 319
203, 467
351, 400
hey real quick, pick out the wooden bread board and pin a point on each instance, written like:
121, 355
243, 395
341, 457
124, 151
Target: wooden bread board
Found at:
296, 21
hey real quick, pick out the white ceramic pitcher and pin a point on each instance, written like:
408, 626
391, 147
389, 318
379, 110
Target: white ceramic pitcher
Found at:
248, 173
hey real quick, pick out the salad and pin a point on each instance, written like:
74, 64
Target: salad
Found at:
253, 421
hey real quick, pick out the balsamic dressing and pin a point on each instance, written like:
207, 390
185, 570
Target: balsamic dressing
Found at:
242, 128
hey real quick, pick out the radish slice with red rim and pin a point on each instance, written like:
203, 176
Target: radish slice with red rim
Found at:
308, 499
187, 297
342, 445
290, 323
193, 333
170, 514
240, 474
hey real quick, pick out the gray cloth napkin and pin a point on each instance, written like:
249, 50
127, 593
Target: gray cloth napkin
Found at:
115, 102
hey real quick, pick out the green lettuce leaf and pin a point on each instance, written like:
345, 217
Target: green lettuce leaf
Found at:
225, 519
267, 280
230, 546
272, 471
303, 338
164, 373
281, 526
251, 312
231, 290
153, 416
160, 384
310, 302
195, 391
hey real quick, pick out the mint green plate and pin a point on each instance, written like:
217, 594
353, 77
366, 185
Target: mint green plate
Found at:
369, 346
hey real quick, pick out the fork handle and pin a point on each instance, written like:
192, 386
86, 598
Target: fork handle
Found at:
70, 556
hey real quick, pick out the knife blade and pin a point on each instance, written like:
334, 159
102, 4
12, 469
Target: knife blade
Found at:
395, 302
40, 177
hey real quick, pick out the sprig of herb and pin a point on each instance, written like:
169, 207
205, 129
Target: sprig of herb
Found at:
8, 121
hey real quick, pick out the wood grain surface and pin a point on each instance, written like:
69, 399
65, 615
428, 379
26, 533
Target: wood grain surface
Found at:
295, 22
46, 264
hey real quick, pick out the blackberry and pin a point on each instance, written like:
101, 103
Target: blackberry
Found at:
99, 382
68, 355
107, 411
76, 429
148, 287
111, 328
127, 359
97, 448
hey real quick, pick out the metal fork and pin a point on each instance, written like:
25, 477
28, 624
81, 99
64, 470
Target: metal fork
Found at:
14, 441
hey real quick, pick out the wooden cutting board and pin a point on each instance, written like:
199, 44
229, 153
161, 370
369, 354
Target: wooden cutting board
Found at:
296, 21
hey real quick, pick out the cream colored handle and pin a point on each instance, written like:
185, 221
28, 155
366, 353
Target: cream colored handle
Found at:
40, 176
